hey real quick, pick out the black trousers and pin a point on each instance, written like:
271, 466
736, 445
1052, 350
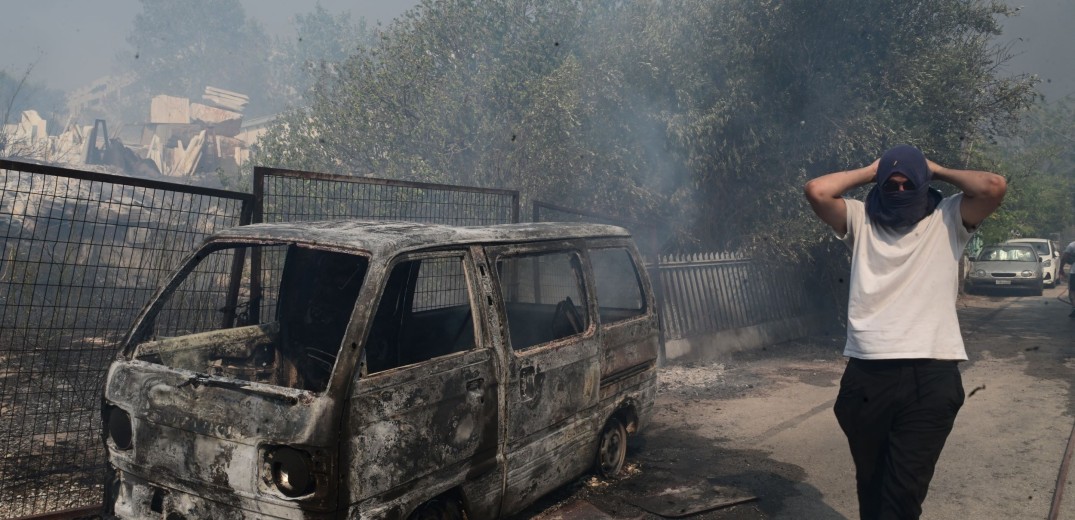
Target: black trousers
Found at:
897, 415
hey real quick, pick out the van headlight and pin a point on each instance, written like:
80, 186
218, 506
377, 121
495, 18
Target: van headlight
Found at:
117, 423
291, 471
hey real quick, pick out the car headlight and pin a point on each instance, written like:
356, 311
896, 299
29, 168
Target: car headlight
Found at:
291, 471
980, 273
119, 428
1048, 262
1026, 274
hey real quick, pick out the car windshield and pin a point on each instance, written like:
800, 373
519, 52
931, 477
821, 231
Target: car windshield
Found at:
1041, 247
1007, 254
268, 313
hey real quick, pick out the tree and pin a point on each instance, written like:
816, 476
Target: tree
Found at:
828, 88
18, 94
707, 115
178, 48
322, 41
518, 94
1039, 160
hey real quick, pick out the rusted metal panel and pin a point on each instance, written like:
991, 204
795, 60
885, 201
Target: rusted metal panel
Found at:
628, 345
409, 423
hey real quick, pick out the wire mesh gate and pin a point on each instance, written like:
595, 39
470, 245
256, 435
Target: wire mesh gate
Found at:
81, 253
290, 196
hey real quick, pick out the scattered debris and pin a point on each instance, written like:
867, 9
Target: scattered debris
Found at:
181, 138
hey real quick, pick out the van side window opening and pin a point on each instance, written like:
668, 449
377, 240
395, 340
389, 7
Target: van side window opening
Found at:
619, 289
544, 297
218, 322
424, 313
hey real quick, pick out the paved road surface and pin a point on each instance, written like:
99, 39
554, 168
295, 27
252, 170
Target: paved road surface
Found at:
762, 425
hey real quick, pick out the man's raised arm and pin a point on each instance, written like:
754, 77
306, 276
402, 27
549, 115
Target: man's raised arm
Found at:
982, 191
825, 194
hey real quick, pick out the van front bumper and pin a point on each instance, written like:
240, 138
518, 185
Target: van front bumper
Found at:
1016, 283
129, 496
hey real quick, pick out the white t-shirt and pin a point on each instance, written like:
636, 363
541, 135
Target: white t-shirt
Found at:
904, 283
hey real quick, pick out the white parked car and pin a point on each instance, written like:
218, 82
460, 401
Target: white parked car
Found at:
1049, 253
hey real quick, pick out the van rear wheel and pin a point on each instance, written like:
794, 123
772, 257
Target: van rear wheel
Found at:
440, 508
611, 448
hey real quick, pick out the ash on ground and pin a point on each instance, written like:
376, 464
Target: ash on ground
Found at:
738, 372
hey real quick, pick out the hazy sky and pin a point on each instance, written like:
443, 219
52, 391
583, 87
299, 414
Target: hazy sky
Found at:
1043, 41
73, 42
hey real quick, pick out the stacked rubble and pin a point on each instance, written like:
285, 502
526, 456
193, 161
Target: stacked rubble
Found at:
182, 138
28, 138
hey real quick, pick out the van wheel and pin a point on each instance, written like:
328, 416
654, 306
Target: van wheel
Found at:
440, 508
611, 448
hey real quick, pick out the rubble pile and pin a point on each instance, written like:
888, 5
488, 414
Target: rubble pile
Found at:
182, 138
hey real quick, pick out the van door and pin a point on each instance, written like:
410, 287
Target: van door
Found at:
424, 411
553, 367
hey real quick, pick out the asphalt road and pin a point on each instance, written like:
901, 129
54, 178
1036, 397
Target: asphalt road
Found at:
761, 425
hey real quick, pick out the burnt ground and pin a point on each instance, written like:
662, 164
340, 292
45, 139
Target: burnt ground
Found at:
760, 424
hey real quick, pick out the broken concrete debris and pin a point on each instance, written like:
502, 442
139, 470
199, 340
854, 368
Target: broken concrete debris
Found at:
182, 138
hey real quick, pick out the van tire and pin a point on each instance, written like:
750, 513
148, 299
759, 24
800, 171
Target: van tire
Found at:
611, 448
440, 508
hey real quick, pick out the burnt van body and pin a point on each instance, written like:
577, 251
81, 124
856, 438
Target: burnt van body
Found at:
357, 369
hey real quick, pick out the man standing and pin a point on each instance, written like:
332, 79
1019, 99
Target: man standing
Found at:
901, 389
1068, 257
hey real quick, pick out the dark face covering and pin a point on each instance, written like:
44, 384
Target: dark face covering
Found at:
895, 208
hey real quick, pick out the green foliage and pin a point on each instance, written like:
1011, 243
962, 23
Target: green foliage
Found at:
321, 41
1039, 161
708, 116
831, 88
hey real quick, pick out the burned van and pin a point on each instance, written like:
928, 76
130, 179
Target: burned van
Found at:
380, 370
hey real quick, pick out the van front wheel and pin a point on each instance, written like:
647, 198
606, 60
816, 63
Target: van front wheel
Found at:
611, 448
440, 508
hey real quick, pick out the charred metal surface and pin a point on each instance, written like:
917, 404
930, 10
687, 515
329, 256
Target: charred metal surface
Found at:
206, 444
495, 427
244, 353
385, 239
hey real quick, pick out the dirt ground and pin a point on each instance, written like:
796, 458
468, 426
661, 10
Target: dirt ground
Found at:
760, 424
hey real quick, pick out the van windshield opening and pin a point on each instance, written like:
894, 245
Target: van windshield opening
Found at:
274, 314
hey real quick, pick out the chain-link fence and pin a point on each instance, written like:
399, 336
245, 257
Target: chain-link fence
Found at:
645, 235
290, 196
81, 253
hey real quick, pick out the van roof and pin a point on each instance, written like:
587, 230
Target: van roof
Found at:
390, 237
